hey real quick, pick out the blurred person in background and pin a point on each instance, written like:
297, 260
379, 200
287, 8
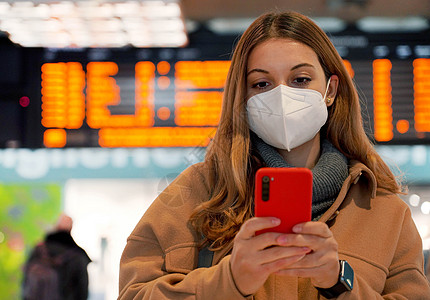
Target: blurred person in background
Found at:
57, 267
288, 102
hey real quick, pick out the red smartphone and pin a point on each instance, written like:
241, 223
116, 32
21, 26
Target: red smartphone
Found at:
284, 193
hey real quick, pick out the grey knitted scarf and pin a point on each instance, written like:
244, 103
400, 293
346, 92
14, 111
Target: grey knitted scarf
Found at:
329, 173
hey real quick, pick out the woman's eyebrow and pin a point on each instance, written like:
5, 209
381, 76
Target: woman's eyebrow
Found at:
293, 68
302, 65
257, 70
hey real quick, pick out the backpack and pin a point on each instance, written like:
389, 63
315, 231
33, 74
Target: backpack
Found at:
42, 278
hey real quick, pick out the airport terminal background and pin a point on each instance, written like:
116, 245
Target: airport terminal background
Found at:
99, 132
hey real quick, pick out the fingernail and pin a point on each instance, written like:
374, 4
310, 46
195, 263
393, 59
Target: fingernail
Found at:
276, 221
297, 228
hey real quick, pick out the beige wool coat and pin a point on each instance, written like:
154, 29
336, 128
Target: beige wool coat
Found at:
374, 230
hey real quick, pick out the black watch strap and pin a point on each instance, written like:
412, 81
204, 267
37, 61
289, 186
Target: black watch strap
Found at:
344, 283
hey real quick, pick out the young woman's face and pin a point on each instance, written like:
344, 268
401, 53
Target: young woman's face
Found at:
284, 61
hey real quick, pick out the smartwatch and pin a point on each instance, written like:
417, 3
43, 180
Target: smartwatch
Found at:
344, 283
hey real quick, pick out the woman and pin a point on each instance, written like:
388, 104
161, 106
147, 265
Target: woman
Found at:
288, 101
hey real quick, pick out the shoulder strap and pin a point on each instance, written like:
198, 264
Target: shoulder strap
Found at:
205, 258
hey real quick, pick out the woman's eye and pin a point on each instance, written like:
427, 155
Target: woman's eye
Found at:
302, 80
260, 85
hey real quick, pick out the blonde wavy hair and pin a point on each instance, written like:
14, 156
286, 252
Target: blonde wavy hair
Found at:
230, 156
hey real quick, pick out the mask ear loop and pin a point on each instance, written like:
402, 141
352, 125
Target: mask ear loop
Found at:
326, 89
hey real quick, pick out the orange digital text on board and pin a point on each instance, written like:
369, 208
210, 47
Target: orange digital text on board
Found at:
72, 97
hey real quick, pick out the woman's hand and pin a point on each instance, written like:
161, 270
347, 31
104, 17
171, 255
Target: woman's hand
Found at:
254, 258
322, 264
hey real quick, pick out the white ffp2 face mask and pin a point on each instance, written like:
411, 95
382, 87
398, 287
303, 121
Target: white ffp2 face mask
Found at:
287, 117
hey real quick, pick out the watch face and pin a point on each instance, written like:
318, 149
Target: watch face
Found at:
345, 283
346, 274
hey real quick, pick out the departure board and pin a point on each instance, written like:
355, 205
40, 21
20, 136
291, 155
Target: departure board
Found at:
178, 104
396, 98
172, 97
150, 105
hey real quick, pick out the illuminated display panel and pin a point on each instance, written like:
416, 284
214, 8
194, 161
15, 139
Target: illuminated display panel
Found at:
382, 105
183, 98
172, 97
198, 94
63, 99
422, 95
189, 101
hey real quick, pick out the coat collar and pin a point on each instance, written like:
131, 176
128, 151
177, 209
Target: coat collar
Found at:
356, 170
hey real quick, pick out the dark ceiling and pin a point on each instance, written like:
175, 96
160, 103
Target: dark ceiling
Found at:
348, 10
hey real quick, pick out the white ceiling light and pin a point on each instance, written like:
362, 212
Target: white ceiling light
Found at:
425, 208
330, 24
414, 200
94, 23
239, 25
386, 24
229, 26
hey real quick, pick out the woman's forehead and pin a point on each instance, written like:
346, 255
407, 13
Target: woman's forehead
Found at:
288, 52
